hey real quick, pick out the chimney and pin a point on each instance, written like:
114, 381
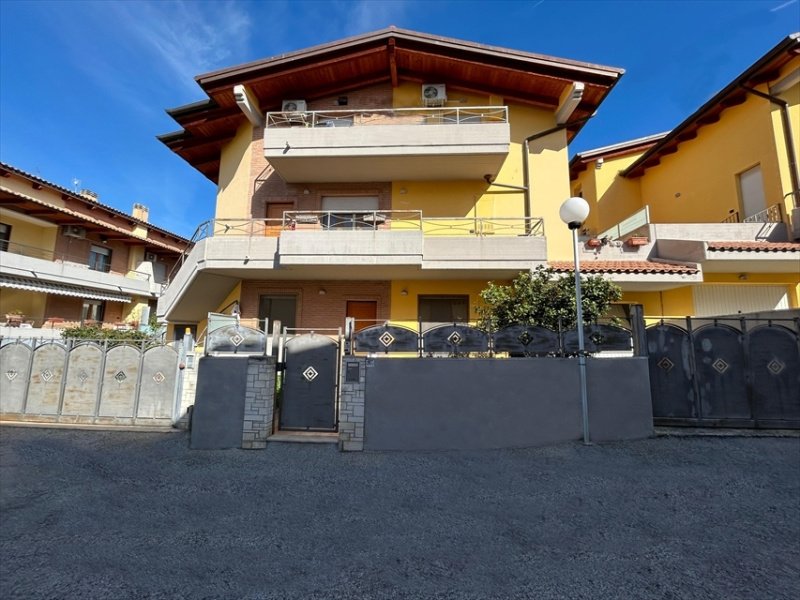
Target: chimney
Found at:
89, 195
140, 211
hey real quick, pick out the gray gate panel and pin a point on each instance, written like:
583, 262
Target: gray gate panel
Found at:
157, 388
455, 339
83, 380
236, 339
775, 371
119, 382
218, 414
47, 372
15, 360
671, 384
526, 340
309, 384
719, 361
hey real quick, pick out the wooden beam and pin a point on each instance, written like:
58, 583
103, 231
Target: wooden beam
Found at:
4, 173
36, 185
708, 119
392, 62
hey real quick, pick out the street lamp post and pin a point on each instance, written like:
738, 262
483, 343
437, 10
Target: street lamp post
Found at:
574, 212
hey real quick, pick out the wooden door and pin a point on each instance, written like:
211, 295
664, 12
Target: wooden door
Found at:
365, 312
274, 215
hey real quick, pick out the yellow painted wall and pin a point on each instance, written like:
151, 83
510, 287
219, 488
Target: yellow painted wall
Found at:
404, 308
704, 170
30, 234
32, 304
792, 97
677, 302
233, 193
23, 187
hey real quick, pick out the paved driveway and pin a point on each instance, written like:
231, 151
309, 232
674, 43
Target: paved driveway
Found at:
135, 515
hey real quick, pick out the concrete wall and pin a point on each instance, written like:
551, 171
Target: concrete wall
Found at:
431, 404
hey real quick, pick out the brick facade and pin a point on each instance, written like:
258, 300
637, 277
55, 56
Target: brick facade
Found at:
313, 309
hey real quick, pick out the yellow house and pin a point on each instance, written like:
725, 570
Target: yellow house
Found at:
67, 259
719, 193
384, 176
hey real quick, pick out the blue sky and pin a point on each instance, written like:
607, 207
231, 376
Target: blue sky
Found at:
84, 85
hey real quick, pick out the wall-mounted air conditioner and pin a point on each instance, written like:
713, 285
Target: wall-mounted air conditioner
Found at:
150, 257
293, 106
434, 94
74, 231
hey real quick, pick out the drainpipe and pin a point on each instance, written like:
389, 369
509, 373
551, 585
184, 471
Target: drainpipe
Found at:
788, 139
526, 184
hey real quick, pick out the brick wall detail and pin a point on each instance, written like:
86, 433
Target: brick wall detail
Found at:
351, 407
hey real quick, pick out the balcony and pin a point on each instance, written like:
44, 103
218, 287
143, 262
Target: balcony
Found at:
29, 267
370, 245
388, 144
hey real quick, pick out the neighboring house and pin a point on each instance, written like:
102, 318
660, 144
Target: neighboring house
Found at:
719, 192
384, 176
67, 259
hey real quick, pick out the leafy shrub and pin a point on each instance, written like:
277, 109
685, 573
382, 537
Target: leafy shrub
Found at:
543, 297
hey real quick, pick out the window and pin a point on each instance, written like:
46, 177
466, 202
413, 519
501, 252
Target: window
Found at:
93, 310
443, 309
5, 236
345, 212
277, 308
99, 259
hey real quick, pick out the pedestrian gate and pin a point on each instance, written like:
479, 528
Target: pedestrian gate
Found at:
310, 383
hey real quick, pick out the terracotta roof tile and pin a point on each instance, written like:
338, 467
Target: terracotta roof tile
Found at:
625, 266
754, 246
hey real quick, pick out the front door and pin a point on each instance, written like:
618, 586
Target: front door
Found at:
365, 313
275, 217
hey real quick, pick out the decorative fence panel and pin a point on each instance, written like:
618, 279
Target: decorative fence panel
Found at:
461, 340
78, 381
741, 372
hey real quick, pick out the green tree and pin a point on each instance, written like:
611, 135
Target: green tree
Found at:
542, 297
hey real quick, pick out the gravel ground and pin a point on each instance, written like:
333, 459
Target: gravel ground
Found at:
139, 515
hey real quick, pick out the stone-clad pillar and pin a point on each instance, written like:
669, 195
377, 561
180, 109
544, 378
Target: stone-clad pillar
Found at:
351, 404
259, 402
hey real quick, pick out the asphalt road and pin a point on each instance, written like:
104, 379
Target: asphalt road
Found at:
137, 515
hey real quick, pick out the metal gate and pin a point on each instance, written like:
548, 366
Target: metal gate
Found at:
310, 387
75, 381
730, 374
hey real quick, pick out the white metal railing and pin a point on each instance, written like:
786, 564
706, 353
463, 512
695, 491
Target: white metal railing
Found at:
773, 214
638, 219
389, 116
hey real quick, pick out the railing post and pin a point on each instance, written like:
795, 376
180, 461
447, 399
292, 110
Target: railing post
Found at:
638, 330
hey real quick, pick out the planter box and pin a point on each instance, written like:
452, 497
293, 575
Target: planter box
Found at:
637, 241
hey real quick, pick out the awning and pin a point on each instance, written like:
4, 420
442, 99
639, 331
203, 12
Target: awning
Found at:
63, 289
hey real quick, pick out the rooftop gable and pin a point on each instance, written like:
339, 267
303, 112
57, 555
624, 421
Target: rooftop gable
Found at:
388, 55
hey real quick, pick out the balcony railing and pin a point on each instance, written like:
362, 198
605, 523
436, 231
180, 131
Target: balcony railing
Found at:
72, 260
772, 214
391, 116
383, 220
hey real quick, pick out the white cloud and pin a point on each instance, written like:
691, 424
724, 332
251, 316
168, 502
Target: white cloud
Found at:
782, 6
187, 38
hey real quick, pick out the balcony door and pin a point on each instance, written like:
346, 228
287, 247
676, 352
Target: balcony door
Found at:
751, 192
275, 212
344, 212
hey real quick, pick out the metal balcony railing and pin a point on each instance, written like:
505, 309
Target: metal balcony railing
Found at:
383, 220
772, 214
72, 260
389, 116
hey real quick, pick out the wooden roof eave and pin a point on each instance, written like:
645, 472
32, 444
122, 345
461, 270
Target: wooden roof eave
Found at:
731, 95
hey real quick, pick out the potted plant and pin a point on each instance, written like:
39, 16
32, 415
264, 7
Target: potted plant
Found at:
14, 318
637, 240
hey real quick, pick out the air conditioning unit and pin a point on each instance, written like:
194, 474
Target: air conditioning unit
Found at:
75, 231
150, 257
293, 106
434, 94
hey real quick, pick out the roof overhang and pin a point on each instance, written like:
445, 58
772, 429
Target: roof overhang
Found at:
764, 70
389, 55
